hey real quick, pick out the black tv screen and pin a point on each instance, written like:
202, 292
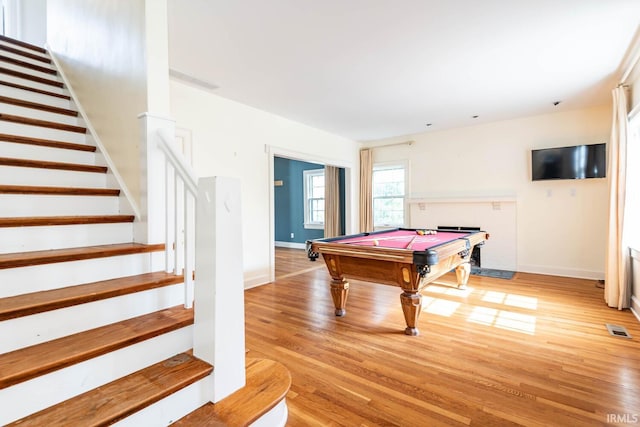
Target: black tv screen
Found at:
577, 162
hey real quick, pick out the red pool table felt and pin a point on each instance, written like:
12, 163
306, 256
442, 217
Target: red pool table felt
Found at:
400, 239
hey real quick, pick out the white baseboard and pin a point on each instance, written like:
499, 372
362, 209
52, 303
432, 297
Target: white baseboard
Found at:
564, 272
291, 245
635, 307
258, 280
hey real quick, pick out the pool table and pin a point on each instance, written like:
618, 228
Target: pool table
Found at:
404, 257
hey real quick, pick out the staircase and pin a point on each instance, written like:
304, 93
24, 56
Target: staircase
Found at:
94, 331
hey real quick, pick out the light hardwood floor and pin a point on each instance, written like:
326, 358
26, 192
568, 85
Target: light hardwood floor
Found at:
529, 351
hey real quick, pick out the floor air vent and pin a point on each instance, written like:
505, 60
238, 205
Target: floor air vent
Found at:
618, 331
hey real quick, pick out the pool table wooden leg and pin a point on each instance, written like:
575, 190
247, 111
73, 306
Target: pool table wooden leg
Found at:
411, 307
339, 293
462, 274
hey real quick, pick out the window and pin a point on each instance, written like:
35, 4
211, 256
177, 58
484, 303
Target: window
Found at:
388, 195
313, 198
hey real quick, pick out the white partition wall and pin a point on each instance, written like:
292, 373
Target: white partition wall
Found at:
219, 286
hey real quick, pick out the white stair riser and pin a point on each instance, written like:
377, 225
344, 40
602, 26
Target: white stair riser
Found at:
172, 407
25, 239
22, 205
26, 70
17, 281
22, 48
48, 154
42, 132
15, 175
43, 327
47, 390
27, 59
276, 417
32, 84
33, 113
40, 98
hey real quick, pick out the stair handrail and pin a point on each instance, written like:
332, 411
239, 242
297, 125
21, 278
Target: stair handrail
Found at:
181, 188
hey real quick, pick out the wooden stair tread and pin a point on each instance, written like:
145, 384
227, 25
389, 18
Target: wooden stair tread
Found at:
23, 259
39, 302
25, 54
31, 77
22, 44
58, 191
38, 106
42, 123
18, 139
33, 89
28, 65
40, 221
43, 164
116, 400
30, 362
267, 384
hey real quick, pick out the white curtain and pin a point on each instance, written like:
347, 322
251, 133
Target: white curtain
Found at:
617, 289
332, 215
366, 190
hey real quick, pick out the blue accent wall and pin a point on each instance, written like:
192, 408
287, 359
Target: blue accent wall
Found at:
289, 201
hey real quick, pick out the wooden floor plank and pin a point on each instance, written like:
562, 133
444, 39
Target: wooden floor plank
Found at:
29, 362
531, 351
117, 400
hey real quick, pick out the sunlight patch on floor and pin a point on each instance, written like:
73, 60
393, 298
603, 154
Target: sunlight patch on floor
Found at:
511, 299
518, 322
440, 307
448, 290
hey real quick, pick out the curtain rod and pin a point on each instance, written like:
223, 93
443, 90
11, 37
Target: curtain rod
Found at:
634, 48
393, 144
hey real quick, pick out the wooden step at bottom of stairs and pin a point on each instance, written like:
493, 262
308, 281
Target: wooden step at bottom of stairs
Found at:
30, 362
23, 259
267, 383
39, 302
116, 400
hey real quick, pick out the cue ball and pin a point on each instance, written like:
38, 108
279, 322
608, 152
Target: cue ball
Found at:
375, 243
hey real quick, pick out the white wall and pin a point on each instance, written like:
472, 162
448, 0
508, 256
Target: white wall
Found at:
560, 225
232, 139
26, 20
115, 54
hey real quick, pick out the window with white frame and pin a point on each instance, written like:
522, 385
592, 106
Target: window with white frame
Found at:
313, 198
388, 195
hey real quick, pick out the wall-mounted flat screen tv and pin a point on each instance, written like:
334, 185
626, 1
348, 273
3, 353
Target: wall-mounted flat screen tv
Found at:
577, 162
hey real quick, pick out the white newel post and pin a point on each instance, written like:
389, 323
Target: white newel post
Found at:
219, 287
151, 227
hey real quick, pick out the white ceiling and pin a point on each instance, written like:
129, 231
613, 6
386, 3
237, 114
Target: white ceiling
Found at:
371, 69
